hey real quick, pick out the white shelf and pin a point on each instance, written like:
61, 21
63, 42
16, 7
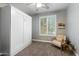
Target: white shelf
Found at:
61, 27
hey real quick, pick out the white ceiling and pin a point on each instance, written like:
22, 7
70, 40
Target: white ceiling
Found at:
31, 9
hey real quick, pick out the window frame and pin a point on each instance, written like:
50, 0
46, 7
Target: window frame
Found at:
47, 26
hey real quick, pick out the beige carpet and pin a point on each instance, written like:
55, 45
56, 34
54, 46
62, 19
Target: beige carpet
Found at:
42, 49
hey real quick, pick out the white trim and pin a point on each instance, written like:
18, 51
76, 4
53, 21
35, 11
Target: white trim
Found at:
55, 25
41, 40
47, 26
47, 35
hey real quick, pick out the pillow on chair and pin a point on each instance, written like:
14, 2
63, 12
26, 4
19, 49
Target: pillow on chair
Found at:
60, 38
57, 43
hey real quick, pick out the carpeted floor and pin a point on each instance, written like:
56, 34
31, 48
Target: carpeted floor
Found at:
42, 49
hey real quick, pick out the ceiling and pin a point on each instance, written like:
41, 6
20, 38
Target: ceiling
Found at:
31, 9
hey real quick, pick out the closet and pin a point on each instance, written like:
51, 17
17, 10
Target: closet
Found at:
21, 30
15, 30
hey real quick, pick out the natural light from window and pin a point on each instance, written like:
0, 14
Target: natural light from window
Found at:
47, 25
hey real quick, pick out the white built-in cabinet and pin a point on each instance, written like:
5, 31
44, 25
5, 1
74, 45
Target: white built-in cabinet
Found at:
21, 30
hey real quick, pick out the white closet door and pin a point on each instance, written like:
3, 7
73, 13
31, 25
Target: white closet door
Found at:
16, 31
27, 30
19, 33
20, 30
30, 29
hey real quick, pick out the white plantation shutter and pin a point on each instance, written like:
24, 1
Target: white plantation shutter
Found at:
47, 25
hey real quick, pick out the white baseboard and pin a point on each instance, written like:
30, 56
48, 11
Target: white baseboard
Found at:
41, 40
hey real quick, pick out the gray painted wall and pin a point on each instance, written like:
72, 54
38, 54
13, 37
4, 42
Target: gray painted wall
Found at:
61, 16
5, 28
0, 30
73, 25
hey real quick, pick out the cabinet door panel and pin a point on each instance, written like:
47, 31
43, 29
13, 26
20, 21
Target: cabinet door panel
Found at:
16, 31
20, 31
27, 30
13, 31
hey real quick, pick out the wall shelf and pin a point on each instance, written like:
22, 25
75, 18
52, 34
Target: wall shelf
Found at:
61, 27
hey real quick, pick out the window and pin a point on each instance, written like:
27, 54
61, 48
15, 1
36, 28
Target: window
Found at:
47, 25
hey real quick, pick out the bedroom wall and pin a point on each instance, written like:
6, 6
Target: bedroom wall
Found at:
0, 30
5, 29
73, 25
61, 16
